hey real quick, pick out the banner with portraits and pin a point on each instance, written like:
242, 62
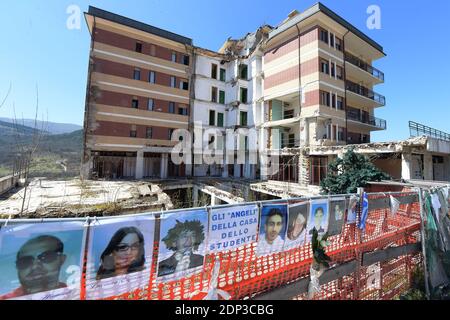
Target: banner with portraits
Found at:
120, 253
232, 227
272, 229
296, 227
318, 217
352, 210
182, 244
337, 216
41, 261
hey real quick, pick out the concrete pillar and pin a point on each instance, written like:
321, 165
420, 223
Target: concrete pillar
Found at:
139, 174
225, 171
428, 166
213, 200
164, 165
195, 196
406, 165
447, 168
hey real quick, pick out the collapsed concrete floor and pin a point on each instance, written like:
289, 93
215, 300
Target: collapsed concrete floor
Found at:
77, 198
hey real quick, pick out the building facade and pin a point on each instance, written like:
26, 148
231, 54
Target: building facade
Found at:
138, 93
308, 82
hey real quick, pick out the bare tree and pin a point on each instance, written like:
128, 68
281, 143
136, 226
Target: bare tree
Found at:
27, 147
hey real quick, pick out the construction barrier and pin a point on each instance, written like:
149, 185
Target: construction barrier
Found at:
241, 251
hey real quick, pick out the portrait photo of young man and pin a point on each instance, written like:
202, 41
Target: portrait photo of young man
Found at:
272, 229
318, 217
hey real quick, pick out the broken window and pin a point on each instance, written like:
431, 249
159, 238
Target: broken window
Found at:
135, 103
214, 71
186, 60
243, 95
148, 133
213, 94
184, 85
243, 71
212, 117
222, 97
138, 47
222, 74
243, 118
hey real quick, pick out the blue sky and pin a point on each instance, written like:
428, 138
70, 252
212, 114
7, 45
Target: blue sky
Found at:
38, 49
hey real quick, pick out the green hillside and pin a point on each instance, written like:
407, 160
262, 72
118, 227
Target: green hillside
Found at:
55, 152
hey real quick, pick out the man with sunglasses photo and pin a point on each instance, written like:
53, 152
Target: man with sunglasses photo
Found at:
38, 264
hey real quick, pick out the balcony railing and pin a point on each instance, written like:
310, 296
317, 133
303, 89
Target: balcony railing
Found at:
368, 119
365, 92
364, 66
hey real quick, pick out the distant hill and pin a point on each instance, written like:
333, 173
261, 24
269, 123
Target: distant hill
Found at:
51, 127
9, 129
58, 155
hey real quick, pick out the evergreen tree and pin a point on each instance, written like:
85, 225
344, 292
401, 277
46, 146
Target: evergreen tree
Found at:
350, 172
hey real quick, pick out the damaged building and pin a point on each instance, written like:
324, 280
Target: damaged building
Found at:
306, 88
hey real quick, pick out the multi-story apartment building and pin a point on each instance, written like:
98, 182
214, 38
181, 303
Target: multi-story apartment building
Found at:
307, 82
318, 89
137, 95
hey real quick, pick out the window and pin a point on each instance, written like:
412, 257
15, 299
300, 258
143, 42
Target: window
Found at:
324, 67
244, 95
184, 85
338, 44
333, 72
182, 111
318, 169
222, 97
341, 134
171, 133
150, 104
220, 119
243, 71
213, 94
186, 60
243, 118
174, 57
152, 77
152, 50
340, 103
148, 133
333, 100
171, 107
332, 39
339, 72
138, 47
133, 134
135, 103
214, 71
223, 73
137, 74
173, 82
324, 35
324, 98
212, 117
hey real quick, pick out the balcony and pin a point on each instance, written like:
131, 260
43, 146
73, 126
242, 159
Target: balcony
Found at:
366, 119
365, 92
374, 72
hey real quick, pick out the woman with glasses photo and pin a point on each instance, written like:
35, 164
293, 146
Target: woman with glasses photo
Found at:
124, 254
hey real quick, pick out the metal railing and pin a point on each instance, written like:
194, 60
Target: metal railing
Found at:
417, 129
364, 66
365, 92
368, 119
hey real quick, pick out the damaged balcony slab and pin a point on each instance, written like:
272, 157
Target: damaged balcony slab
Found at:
284, 190
75, 198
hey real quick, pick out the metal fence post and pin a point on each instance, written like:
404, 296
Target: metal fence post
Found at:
422, 236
